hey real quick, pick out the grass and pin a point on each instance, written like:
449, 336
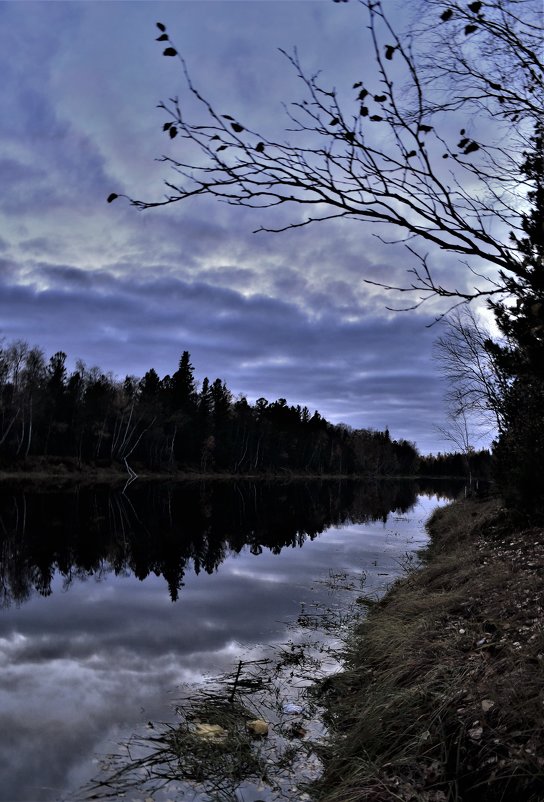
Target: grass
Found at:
442, 696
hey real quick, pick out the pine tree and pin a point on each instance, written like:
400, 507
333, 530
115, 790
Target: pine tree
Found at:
183, 385
519, 450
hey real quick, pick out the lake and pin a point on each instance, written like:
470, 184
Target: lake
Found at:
111, 601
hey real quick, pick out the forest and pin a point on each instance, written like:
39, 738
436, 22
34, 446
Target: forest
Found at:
88, 418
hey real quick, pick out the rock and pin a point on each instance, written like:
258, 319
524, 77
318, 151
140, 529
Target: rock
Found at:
258, 727
210, 732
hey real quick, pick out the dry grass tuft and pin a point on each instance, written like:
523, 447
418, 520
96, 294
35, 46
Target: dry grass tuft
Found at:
442, 697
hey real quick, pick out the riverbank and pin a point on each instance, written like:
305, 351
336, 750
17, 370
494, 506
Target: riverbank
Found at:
71, 471
443, 693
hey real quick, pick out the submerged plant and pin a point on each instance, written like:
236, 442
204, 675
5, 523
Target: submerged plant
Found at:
256, 727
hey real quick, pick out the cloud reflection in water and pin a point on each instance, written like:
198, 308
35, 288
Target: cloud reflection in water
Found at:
90, 652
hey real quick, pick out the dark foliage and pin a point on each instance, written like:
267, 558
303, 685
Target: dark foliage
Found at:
519, 450
454, 464
90, 418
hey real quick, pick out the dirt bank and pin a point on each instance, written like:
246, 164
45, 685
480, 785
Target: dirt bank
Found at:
443, 693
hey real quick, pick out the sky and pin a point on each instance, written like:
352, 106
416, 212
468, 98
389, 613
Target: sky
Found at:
274, 315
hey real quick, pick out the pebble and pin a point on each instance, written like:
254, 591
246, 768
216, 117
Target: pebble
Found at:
258, 727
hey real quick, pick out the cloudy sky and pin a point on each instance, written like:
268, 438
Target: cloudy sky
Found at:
274, 315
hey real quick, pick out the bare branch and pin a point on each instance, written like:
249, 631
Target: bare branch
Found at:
388, 156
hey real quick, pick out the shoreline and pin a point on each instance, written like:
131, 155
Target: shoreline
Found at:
61, 471
442, 696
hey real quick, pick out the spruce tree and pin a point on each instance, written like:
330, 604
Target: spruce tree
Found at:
519, 449
183, 385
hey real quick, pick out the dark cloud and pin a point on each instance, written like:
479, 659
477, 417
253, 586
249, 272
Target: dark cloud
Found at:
277, 315
372, 371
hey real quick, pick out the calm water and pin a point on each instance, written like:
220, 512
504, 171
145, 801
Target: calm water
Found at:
110, 601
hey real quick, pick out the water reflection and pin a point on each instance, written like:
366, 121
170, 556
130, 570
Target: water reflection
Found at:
163, 529
82, 668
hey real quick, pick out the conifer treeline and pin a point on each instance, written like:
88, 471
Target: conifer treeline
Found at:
474, 465
92, 418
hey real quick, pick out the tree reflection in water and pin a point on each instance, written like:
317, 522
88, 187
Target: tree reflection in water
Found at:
167, 528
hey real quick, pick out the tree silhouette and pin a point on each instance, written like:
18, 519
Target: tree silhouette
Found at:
183, 384
394, 155
519, 451
476, 384
91, 419
442, 145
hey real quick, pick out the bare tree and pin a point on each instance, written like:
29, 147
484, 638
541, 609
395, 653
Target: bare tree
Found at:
460, 433
476, 385
430, 148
